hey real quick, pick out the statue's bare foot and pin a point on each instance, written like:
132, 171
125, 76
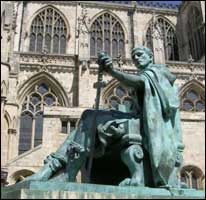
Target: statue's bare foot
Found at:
134, 181
42, 175
125, 182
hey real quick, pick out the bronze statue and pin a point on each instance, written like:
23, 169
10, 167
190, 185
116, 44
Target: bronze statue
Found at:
148, 135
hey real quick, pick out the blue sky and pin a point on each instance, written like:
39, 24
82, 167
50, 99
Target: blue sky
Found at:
171, 2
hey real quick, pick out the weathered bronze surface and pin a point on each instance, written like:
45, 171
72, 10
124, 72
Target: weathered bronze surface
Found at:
147, 139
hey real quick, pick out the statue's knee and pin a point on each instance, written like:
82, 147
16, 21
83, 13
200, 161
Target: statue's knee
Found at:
55, 161
87, 113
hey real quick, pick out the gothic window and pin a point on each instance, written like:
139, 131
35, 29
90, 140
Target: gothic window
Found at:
107, 34
149, 38
195, 30
64, 126
169, 39
118, 96
31, 120
193, 99
192, 176
48, 29
73, 124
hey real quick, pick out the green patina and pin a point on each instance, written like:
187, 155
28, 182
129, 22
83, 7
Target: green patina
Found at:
146, 137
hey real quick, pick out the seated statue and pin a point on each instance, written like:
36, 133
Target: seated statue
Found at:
149, 133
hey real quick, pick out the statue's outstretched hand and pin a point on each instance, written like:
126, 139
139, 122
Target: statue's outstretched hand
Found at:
104, 61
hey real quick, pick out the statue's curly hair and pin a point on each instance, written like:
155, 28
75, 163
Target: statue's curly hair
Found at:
147, 50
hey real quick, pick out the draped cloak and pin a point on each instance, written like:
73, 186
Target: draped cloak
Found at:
161, 121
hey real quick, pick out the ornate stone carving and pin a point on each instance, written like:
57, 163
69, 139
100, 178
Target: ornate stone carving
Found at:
46, 62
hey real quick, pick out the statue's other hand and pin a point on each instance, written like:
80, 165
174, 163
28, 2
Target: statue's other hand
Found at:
105, 61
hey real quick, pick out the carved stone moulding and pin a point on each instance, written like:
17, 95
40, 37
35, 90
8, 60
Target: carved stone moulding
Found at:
33, 58
189, 77
48, 68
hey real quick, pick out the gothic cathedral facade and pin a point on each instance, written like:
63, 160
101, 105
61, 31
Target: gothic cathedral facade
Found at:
49, 66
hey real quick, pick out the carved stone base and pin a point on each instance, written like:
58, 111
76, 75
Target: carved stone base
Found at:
65, 190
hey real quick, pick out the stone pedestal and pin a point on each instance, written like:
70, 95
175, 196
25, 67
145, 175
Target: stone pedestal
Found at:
65, 190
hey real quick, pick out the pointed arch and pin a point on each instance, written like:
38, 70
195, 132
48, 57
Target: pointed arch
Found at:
20, 175
192, 96
193, 176
113, 83
40, 90
115, 16
45, 24
5, 126
188, 84
106, 30
168, 32
3, 89
41, 77
8, 118
115, 94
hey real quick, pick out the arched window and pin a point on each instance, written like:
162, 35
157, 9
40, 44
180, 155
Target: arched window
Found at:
48, 29
31, 121
169, 38
192, 176
118, 96
193, 99
107, 34
195, 31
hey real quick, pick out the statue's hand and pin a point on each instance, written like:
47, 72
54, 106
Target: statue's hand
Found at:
105, 61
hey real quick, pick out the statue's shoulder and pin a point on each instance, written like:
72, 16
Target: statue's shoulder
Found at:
161, 69
159, 66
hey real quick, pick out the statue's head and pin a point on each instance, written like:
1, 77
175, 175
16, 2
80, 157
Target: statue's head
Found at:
142, 56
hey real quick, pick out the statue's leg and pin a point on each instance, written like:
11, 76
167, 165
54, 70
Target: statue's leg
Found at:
53, 162
132, 157
173, 179
80, 148
132, 154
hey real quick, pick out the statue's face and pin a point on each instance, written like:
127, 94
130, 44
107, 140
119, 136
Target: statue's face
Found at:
142, 59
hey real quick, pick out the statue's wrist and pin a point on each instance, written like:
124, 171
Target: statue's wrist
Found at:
110, 69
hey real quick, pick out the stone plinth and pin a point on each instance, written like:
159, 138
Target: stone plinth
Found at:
66, 190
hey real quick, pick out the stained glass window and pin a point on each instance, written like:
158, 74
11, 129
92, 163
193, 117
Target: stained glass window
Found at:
195, 33
64, 126
192, 100
72, 125
107, 34
48, 30
31, 121
38, 129
119, 95
25, 129
169, 39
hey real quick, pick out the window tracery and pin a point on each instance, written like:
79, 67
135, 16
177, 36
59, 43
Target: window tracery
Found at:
192, 176
48, 29
195, 30
107, 34
119, 95
169, 39
193, 99
31, 121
